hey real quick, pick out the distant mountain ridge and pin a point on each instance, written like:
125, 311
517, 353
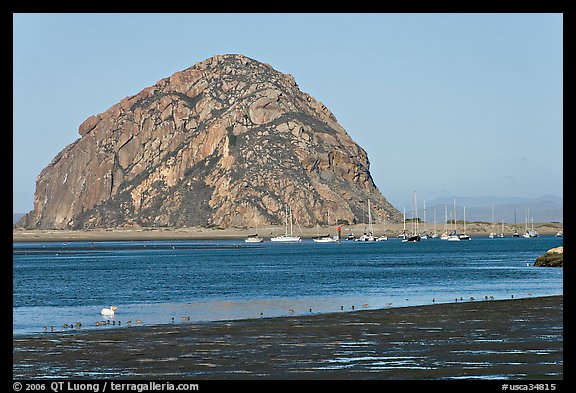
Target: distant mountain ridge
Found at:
16, 217
547, 208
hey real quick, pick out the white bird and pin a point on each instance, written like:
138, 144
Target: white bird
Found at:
108, 311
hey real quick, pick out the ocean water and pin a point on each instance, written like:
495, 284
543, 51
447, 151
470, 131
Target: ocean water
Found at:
196, 281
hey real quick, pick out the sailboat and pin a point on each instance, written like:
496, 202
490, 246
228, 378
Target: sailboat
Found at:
529, 232
445, 236
424, 235
526, 233
287, 238
515, 233
532, 231
254, 238
464, 236
492, 234
403, 235
367, 237
502, 233
453, 237
382, 238
415, 237
325, 238
434, 235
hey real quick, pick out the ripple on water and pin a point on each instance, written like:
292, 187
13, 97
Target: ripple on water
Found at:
375, 363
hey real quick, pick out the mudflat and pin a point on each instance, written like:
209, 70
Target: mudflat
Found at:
508, 339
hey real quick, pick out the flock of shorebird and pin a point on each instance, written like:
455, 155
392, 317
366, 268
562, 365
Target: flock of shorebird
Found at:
185, 318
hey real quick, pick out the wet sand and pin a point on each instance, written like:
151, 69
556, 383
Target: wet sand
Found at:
503, 339
390, 230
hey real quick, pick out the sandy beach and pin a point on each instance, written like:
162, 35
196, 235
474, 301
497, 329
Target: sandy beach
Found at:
502, 339
390, 230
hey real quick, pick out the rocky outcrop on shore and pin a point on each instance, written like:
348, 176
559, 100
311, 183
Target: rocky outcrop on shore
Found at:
227, 142
553, 258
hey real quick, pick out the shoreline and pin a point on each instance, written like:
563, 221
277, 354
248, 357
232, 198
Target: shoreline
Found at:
199, 233
518, 338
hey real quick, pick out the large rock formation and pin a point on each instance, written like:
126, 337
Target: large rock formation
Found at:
226, 142
553, 258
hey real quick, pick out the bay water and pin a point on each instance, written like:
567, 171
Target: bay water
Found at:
194, 281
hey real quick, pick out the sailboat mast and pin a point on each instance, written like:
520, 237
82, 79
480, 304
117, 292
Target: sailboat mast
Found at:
404, 220
370, 219
286, 221
415, 215
454, 215
290, 221
493, 223
446, 219
424, 216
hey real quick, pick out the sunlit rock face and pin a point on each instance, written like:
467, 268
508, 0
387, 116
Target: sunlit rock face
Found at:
227, 142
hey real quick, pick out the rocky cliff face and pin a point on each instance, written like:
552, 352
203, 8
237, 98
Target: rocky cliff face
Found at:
226, 142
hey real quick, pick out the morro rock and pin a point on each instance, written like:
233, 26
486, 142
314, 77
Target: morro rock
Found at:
227, 142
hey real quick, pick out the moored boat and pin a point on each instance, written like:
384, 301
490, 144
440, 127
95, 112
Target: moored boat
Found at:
253, 239
287, 238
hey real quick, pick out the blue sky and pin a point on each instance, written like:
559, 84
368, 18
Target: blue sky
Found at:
444, 104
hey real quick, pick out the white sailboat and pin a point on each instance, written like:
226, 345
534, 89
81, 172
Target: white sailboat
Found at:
287, 238
424, 235
326, 238
445, 236
415, 237
369, 236
463, 235
254, 238
492, 234
502, 233
529, 232
533, 232
382, 238
435, 234
526, 233
453, 237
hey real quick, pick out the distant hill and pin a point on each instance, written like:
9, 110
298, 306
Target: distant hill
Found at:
547, 208
16, 217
